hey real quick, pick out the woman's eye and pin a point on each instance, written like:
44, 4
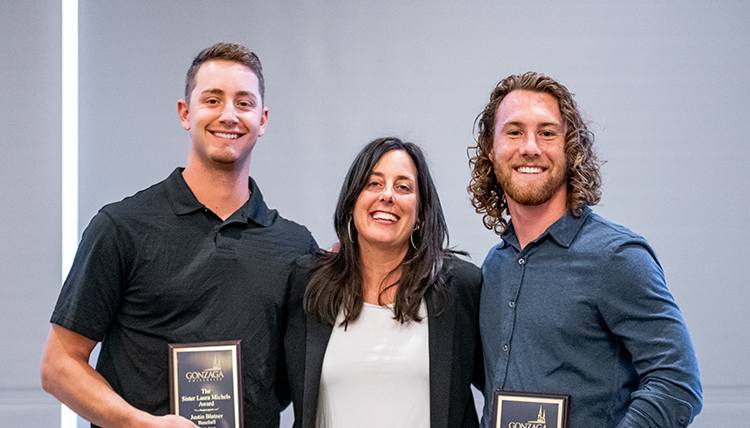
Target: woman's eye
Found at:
404, 188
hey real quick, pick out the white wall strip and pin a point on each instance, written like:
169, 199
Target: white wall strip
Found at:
69, 153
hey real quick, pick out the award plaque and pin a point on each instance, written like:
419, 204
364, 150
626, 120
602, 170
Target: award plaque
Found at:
205, 383
529, 410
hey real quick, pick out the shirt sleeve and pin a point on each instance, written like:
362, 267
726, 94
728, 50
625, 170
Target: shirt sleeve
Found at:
92, 291
639, 309
313, 245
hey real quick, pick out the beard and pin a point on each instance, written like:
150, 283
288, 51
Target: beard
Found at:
530, 195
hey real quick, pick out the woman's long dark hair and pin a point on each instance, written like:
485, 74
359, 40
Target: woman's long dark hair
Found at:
335, 280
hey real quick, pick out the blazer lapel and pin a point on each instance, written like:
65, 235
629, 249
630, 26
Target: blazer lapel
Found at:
316, 343
441, 358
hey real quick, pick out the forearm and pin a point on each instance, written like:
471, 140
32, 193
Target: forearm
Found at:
662, 413
95, 401
663, 404
67, 375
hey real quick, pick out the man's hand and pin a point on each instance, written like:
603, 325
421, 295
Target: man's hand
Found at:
170, 421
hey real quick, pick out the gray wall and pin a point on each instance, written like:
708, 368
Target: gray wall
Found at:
665, 83
30, 200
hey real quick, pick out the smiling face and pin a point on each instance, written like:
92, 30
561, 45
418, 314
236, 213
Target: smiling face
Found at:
385, 213
225, 116
528, 153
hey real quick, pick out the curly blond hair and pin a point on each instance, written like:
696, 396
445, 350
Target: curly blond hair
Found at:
583, 177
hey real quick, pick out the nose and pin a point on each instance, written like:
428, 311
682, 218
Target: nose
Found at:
529, 146
387, 194
229, 114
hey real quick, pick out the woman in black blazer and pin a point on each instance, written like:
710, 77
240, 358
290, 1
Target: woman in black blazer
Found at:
384, 332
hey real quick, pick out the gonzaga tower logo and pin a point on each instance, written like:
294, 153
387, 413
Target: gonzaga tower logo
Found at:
540, 422
213, 373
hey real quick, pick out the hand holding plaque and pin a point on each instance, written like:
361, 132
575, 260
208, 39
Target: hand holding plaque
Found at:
205, 383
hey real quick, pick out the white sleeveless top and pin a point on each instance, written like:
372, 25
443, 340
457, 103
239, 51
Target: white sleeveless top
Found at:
376, 373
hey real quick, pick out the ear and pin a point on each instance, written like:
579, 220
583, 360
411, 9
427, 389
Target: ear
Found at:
263, 122
184, 113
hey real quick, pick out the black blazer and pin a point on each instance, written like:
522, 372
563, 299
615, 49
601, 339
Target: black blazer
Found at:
454, 348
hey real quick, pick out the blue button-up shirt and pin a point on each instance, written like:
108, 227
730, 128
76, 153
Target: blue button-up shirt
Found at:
584, 310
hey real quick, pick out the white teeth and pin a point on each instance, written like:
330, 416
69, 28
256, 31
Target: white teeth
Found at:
384, 216
530, 169
223, 135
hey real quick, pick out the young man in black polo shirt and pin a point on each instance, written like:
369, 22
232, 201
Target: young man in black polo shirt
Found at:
196, 258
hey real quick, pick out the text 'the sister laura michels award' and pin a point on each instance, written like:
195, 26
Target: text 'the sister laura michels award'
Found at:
205, 383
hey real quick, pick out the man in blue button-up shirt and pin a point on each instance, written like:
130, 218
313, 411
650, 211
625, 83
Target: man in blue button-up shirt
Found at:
572, 303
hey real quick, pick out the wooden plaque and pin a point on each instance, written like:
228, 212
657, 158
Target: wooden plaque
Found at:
529, 410
205, 383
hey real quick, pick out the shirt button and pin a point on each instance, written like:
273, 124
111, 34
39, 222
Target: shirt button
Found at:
512, 304
521, 261
505, 348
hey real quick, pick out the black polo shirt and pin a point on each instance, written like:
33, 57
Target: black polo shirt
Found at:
158, 267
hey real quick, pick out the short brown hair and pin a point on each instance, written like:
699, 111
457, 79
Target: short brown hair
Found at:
582, 164
227, 52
